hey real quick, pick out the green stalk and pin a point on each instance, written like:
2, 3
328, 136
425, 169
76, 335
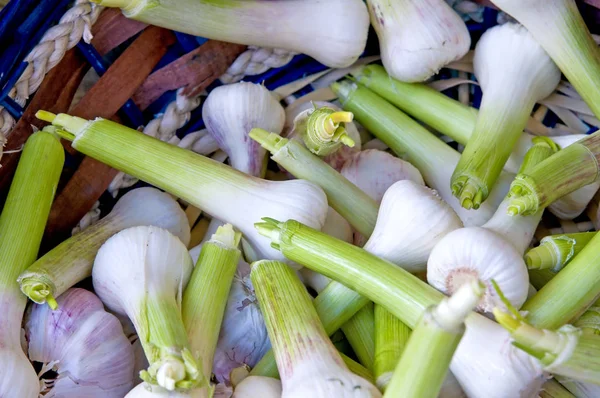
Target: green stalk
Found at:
556, 251
359, 331
442, 113
540, 278
351, 202
553, 389
411, 141
211, 186
391, 335
568, 294
562, 173
22, 226
323, 133
205, 296
430, 348
559, 28
336, 39
303, 351
566, 352
335, 305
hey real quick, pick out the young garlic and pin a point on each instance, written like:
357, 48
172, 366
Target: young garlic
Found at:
514, 73
296, 114
308, 363
230, 112
221, 191
258, 386
334, 32
404, 204
83, 343
142, 272
493, 252
72, 260
418, 37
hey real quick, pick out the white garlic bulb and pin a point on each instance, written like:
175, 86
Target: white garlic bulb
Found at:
258, 386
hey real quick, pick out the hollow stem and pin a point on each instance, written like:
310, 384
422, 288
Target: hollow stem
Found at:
556, 251
323, 133
346, 198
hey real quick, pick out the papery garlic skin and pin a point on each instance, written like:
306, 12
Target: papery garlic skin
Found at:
418, 37
412, 219
258, 386
142, 271
243, 339
486, 344
297, 115
93, 356
476, 253
231, 111
374, 171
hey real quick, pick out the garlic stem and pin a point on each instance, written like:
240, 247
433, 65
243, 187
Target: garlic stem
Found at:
556, 251
391, 336
553, 389
211, 186
568, 170
347, 199
407, 297
559, 28
566, 351
205, 296
418, 37
71, 261
457, 121
323, 132
307, 360
333, 32
428, 353
22, 224
228, 112
141, 272
514, 73
360, 332
408, 139
569, 293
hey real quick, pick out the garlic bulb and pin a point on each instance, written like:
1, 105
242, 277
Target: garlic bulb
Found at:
374, 171
231, 111
243, 339
17, 374
404, 204
418, 37
84, 344
488, 365
296, 115
72, 260
141, 272
258, 386
477, 253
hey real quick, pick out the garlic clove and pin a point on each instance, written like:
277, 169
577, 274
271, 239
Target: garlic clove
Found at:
17, 377
231, 111
418, 37
90, 352
412, 219
258, 386
476, 253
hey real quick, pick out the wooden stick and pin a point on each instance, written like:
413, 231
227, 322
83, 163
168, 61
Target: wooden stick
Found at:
113, 29
194, 71
104, 99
